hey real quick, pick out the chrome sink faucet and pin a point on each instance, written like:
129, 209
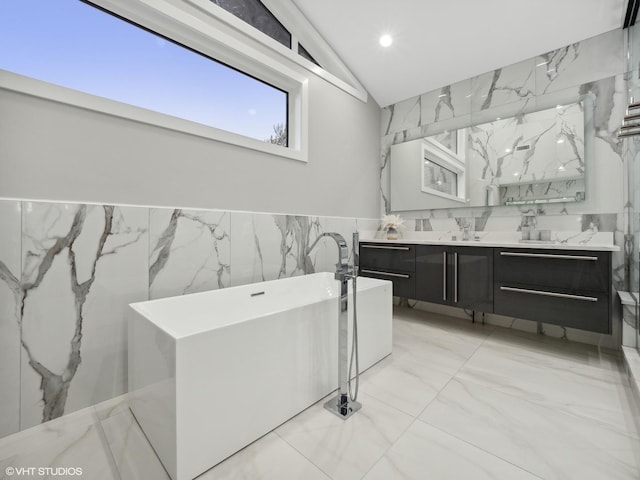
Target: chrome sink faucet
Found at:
465, 232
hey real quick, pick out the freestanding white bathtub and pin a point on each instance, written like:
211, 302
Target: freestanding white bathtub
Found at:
211, 372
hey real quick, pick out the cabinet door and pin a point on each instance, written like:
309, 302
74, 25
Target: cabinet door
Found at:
472, 278
433, 282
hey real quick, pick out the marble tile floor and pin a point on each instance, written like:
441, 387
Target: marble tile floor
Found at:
454, 401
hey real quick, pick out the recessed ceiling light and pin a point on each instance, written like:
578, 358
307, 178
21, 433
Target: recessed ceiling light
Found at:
386, 40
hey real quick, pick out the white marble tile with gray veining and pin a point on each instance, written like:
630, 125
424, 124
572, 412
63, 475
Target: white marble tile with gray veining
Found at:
270, 457
268, 247
543, 379
426, 452
586, 61
443, 343
513, 83
82, 266
446, 103
71, 447
629, 326
403, 115
548, 144
132, 454
189, 251
345, 449
509, 110
404, 383
541, 440
10, 303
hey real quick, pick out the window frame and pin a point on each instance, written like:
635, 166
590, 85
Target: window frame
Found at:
205, 33
437, 153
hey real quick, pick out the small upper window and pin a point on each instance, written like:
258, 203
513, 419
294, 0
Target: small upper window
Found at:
257, 15
303, 53
75, 45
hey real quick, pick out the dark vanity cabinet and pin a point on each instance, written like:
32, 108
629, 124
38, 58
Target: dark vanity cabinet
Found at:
457, 276
395, 262
571, 288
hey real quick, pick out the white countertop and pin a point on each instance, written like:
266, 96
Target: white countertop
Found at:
594, 241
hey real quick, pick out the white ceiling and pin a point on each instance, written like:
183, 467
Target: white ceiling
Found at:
440, 42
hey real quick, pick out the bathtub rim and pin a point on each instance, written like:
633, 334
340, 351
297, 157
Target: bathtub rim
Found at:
364, 284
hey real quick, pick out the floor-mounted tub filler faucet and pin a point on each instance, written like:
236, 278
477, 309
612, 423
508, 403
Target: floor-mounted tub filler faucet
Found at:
344, 404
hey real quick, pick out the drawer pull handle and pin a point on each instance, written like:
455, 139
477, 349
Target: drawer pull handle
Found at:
549, 294
381, 247
455, 277
549, 255
444, 276
388, 274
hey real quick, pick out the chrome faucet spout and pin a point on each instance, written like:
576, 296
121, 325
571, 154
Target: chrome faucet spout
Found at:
342, 267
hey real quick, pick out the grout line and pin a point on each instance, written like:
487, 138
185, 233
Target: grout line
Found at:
453, 376
417, 418
113, 464
481, 449
384, 454
571, 414
147, 440
299, 452
20, 320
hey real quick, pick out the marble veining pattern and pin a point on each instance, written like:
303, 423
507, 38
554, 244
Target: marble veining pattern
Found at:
591, 59
68, 252
593, 70
189, 251
68, 272
487, 403
503, 85
268, 247
10, 302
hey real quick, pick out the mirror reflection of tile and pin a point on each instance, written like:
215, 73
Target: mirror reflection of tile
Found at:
537, 157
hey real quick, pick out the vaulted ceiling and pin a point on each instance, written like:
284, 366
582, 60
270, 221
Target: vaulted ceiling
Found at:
439, 42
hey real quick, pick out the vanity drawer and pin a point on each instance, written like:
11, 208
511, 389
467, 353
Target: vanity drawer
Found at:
569, 308
564, 269
386, 257
404, 283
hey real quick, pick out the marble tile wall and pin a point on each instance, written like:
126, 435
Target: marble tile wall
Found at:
10, 300
69, 271
595, 68
632, 206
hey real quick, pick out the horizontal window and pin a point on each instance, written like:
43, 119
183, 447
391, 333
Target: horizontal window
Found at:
78, 46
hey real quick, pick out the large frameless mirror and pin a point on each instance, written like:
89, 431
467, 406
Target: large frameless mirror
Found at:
537, 157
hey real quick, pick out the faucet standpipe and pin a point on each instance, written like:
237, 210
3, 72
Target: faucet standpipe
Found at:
342, 405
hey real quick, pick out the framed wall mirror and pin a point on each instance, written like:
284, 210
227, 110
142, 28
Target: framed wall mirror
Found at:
536, 157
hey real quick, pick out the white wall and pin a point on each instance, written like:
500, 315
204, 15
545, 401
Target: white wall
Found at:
51, 151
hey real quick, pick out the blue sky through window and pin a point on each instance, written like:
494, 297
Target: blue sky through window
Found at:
69, 43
